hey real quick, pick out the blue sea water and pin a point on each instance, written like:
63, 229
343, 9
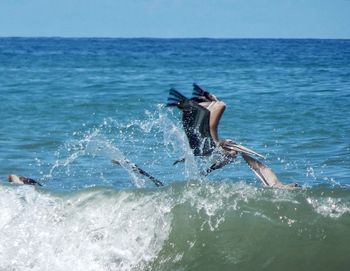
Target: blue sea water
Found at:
69, 106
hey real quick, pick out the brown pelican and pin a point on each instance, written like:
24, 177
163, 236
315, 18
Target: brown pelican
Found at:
200, 118
22, 180
264, 173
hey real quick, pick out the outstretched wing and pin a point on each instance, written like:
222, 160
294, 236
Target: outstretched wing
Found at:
195, 120
135, 168
210, 102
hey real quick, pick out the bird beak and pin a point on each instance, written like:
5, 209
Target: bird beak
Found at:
239, 148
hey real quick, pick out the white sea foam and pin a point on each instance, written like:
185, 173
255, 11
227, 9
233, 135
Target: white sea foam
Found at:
329, 207
89, 231
105, 229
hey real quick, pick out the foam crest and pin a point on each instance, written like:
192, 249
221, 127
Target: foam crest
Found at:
165, 229
91, 231
329, 207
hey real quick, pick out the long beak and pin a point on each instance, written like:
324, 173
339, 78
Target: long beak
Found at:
242, 149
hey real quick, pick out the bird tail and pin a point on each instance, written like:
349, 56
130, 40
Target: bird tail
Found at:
175, 98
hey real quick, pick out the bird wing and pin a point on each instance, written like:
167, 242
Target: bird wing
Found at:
195, 120
202, 94
213, 104
128, 165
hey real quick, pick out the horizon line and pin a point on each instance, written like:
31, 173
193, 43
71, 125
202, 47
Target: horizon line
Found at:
174, 38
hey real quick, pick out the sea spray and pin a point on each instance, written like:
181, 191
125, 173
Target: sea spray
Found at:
174, 139
93, 145
111, 140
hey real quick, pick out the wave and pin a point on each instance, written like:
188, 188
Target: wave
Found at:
184, 226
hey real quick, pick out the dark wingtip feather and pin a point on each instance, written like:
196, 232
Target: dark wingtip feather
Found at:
175, 98
196, 86
173, 92
171, 104
197, 90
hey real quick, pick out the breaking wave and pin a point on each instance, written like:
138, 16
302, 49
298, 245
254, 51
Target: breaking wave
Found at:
184, 226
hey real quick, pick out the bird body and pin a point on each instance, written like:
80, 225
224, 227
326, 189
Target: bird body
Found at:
201, 115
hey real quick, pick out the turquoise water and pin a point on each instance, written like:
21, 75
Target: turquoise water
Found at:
69, 106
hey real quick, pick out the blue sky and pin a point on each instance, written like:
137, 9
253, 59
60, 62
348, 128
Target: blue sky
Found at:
176, 18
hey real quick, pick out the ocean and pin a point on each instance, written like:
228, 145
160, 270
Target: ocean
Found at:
70, 106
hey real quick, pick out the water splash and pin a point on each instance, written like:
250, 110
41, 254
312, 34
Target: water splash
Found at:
174, 139
154, 139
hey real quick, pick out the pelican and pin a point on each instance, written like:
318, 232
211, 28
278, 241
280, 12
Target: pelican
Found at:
200, 119
22, 180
